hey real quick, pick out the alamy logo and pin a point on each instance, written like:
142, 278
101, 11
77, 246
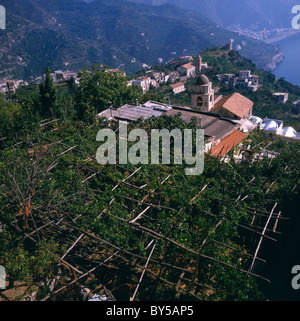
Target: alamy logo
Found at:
296, 19
139, 152
2, 278
2, 18
296, 279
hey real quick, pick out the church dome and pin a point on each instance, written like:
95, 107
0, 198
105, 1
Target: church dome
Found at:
271, 125
202, 80
289, 132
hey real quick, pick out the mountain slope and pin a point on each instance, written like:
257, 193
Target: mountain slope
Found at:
72, 34
250, 14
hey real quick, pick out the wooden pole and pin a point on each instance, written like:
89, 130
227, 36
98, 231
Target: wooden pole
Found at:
79, 238
141, 278
261, 238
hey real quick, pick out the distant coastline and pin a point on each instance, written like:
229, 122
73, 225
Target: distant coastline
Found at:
290, 65
270, 36
277, 60
274, 40
279, 63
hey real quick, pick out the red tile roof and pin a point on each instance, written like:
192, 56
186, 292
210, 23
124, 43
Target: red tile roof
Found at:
178, 84
236, 103
189, 65
227, 144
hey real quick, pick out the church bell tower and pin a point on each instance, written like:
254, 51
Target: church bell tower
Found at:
203, 96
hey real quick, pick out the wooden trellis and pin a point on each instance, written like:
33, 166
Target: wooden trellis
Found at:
85, 249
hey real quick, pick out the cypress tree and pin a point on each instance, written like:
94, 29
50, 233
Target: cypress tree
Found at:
48, 96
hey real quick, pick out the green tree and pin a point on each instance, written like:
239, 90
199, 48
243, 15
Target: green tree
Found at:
11, 121
84, 109
48, 96
101, 88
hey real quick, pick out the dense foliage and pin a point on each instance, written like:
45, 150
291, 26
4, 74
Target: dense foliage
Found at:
101, 89
52, 190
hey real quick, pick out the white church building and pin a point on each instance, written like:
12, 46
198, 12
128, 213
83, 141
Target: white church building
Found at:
275, 127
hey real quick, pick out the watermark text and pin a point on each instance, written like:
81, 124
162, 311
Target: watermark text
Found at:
296, 279
2, 17
181, 141
296, 19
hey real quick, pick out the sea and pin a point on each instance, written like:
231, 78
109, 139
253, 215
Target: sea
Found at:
290, 67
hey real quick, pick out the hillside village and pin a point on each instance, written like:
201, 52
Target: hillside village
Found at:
227, 120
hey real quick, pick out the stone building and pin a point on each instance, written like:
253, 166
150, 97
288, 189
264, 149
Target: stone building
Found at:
187, 70
234, 106
203, 95
177, 88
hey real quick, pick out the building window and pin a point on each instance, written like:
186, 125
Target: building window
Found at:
199, 101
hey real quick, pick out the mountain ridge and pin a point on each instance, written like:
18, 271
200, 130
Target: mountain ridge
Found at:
72, 34
250, 14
